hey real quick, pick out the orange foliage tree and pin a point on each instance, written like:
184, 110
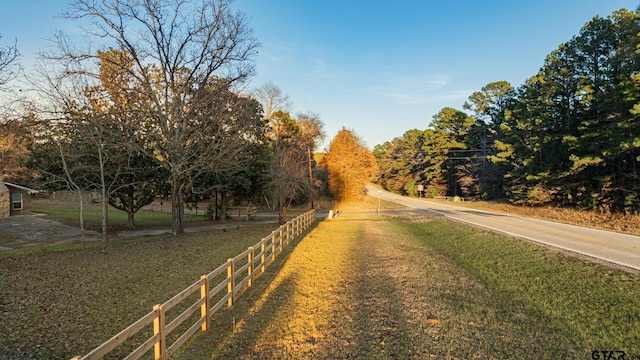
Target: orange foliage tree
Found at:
351, 166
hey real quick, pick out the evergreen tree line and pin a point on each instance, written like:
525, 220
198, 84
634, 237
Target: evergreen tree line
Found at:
568, 136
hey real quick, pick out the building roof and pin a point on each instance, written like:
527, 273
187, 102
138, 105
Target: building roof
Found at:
26, 189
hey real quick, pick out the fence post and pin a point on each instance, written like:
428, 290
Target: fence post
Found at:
286, 235
262, 256
273, 245
160, 348
294, 228
204, 308
230, 285
286, 232
250, 266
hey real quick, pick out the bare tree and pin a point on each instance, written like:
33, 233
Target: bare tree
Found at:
14, 140
311, 133
272, 99
185, 58
288, 175
8, 63
89, 122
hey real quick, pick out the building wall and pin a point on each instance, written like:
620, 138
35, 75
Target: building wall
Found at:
5, 201
26, 202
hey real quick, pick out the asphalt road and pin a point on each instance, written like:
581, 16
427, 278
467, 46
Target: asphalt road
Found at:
616, 248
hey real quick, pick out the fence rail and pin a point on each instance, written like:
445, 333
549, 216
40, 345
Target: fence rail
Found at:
233, 278
246, 212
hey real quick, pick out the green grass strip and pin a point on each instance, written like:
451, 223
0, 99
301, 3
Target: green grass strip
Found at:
589, 305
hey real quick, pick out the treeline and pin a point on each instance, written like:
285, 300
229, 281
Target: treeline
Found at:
156, 112
568, 136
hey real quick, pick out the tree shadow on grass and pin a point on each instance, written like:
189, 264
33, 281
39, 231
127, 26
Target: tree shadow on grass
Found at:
370, 322
234, 332
380, 324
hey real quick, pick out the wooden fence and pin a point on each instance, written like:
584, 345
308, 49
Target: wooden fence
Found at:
213, 292
293, 212
246, 212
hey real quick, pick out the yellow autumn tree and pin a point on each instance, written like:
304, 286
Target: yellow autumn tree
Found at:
15, 146
350, 165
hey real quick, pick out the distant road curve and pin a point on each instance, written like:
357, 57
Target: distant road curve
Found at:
616, 248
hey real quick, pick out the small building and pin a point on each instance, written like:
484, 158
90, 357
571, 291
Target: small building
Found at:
15, 199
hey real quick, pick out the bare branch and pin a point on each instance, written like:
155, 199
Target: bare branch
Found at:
183, 58
8, 63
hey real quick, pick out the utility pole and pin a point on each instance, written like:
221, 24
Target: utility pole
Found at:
310, 177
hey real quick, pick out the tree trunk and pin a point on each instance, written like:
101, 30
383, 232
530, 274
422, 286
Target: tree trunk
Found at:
81, 213
130, 221
105, 208
216, 207
281, 217
279, 206
105, 222
177, 205
223, 205
130, 212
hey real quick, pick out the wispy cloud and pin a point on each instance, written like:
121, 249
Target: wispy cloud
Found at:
418, 89
317, 65
278, 52
319, 68
310, 62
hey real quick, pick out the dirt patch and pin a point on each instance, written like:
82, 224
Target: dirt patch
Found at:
33, 230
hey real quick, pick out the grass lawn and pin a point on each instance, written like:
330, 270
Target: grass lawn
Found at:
355, 287
7, 238
66, 210
378, 287
64, 301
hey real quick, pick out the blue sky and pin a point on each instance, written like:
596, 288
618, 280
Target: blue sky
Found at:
379, 68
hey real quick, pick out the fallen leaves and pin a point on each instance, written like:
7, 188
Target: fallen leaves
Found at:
433, 322
56, 305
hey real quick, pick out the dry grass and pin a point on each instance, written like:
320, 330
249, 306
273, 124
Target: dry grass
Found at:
60, 302
368, 203
7, 238
606, 220
354, 287
372, 287
620, 222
